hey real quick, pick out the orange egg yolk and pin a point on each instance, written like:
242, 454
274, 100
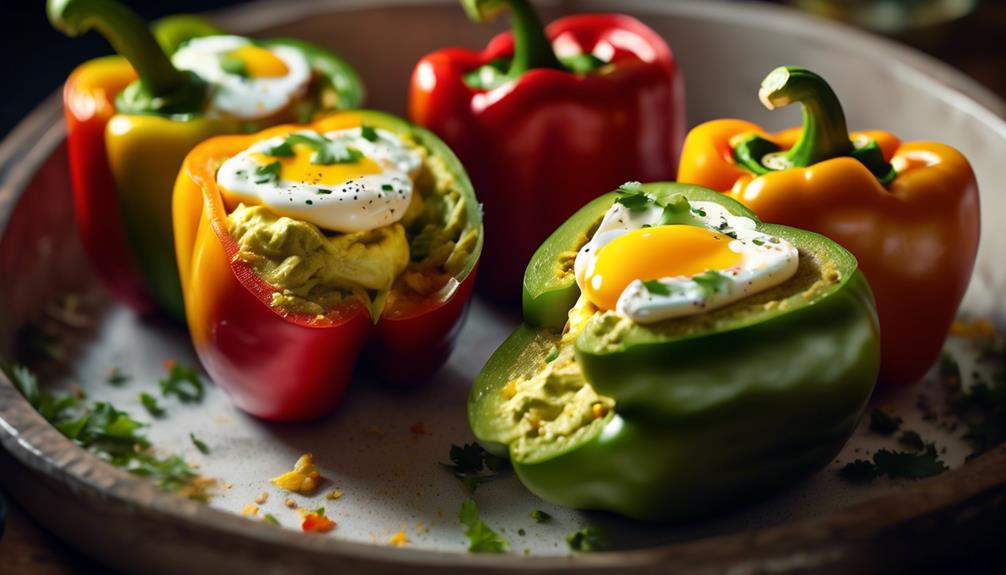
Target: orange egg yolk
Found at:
654, 253
260, 62
298, 168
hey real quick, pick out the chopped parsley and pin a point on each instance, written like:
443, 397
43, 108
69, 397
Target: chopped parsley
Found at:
883, 422
712, 282
539, 516
182, 382
677, 210
633, 197
758, 242
323, 192
267, 173
912, 440
149, 403
116, 377
233, 65
472, 464
481, 538
270, 519
368, 133
108, 433
586, 539
200, 444
283, 149
326, 152
896, 465
387, 187
553, 353
656, 287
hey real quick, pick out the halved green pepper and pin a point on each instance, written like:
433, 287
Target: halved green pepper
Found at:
692, 413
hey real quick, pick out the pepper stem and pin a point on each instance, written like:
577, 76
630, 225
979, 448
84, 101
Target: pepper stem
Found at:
824, 133
131, 38
531, 47
824, 136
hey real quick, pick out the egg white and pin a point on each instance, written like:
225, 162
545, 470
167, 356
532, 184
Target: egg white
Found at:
360, 204
233, 96
762, 266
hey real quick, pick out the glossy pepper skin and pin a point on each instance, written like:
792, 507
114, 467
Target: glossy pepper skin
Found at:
541, 135
910, 213
130, 121
699, 422
297, 366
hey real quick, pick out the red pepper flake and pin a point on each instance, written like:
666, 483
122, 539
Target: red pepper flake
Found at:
314, 523
420, 428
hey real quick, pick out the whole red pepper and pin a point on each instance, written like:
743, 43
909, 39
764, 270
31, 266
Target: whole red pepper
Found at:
546, 119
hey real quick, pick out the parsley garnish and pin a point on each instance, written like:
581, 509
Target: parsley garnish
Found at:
267, 173
677, 210
270, 519
481, 538
150, 404
472, 464
387, 187
883, 423
586, 539
283, 149
200, 444
233, 65
182, 382
368, 133
912, 440
323, 192
712, 282
539, 516
326, 152
758, 242
896, 464
633, 197
116, 377
656, 287
553, 353
319, 511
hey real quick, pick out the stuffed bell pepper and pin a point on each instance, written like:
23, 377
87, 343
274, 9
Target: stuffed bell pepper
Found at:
304, 246
132, 118
676, 356
547, 119
908, 211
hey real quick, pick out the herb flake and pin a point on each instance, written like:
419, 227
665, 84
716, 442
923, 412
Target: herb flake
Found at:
481, 538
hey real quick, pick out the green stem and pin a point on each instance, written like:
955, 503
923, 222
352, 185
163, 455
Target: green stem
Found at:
532, 48
126, 32
824, 135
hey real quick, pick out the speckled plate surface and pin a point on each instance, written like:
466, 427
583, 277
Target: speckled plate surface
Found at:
371, 449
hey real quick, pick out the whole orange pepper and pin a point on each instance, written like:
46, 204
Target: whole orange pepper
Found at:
908, 212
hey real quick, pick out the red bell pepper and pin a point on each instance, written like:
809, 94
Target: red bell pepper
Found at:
296, 366
546, 119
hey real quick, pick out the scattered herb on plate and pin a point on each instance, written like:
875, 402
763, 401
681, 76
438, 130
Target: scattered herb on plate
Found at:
539, 516
183, 382
481, 538
472, 464
200, 444
586, 539
149, 403
883, 422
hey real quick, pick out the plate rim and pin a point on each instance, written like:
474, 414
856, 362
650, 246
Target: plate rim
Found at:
38, 446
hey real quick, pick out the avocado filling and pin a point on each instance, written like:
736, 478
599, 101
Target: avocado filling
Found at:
314, 270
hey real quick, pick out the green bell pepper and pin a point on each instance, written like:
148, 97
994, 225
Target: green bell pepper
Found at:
686, 416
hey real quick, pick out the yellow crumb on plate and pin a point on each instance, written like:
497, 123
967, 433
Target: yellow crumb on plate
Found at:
334, 494
262, 497
399, 539
250, 510
303, 479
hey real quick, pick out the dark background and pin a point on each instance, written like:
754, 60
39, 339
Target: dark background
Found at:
36, 59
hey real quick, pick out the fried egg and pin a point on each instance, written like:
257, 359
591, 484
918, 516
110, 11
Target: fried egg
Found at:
651, 272
247, 81
349, 180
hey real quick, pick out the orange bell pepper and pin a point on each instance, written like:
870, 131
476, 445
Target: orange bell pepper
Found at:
909, 212
296, 366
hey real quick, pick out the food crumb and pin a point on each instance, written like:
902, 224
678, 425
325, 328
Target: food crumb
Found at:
262, 497
227, 485
250, 510
334, 494
421, 528
399, 539
419, 428
375, 431
316, 523
303, 479
289, 502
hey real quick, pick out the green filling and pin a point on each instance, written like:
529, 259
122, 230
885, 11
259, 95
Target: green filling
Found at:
313, 270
